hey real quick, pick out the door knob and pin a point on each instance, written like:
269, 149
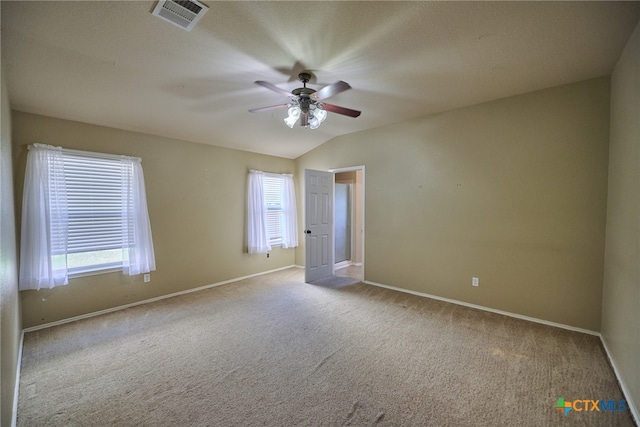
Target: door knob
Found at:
307, 231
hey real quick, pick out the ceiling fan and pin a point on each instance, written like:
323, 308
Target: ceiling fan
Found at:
308, 104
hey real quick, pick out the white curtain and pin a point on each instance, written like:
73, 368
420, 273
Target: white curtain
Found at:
138, 256
257, 239
290, 213
43, 243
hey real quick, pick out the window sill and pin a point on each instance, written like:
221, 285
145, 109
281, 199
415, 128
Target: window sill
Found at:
86, 273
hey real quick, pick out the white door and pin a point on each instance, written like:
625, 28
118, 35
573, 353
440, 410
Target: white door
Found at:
318, 224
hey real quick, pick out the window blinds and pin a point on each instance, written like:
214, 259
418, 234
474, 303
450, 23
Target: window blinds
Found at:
273, 202
95, 203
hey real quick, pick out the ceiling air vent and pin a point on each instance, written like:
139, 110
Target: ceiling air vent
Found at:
182, 13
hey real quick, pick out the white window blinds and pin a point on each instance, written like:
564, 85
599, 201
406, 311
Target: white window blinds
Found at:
95, 201
272, 185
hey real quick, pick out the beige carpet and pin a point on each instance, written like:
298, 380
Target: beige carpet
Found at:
275, 351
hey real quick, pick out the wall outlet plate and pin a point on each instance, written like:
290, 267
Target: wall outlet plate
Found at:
147, 277
475, 281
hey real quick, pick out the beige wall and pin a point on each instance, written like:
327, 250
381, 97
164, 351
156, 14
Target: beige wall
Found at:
511, 191
196, 195
10, 322
621, 293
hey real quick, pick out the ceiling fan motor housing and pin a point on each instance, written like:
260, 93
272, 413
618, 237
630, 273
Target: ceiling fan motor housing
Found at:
304, 97
304, 77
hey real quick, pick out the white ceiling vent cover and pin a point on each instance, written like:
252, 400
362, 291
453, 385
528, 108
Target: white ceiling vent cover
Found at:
182, 13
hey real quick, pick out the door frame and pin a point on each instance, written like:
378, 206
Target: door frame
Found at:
362, 218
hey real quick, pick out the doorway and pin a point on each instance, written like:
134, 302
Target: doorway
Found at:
349, 222
342, 220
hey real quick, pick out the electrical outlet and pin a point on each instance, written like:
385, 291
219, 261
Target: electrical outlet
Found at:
475, 281
147, 278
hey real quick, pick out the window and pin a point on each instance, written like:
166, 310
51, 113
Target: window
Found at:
272, 187
82, 212
272, 214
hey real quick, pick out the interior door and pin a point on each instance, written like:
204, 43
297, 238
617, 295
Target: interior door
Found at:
318, 224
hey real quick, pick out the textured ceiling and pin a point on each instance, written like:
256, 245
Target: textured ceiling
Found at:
114, 64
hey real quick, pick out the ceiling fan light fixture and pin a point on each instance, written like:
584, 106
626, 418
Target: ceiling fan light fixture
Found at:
290, 121
314, 122
294, 111
294, 115
320, 114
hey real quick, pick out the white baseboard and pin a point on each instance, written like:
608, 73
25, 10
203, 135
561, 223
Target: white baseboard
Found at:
342, 264
480, 307
625, 390
146, 301
16, 390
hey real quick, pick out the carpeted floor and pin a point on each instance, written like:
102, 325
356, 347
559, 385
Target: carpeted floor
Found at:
274, 351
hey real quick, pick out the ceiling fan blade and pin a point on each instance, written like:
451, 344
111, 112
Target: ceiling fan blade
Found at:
304, 119
341, 110
271, 107
332, 89
274, 88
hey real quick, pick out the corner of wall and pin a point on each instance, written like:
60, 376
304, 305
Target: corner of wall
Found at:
621, 282
10, 313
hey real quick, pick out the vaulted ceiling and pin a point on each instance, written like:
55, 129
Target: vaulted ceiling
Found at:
114, 64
